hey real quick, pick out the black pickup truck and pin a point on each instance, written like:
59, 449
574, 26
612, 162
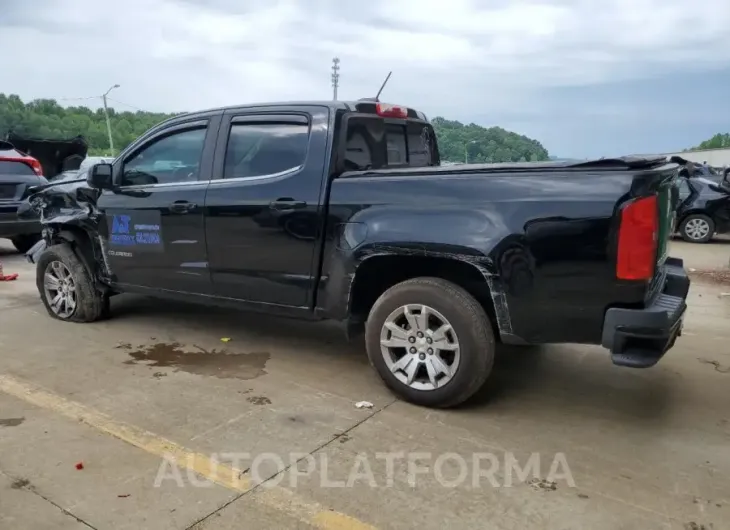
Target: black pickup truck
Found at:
337, 210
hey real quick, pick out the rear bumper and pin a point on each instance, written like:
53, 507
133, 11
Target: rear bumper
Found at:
15, 227
640, 337
11, 225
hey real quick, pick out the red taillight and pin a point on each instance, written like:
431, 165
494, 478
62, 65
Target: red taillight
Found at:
35, 165
637, 240
387, 110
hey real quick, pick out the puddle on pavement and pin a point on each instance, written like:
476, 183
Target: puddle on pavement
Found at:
196, 360
11, 422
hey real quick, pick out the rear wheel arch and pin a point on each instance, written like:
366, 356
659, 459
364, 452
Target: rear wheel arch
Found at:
377, 274
424, 328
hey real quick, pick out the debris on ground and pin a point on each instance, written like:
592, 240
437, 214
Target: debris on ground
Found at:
259, 400
721, 276
225, 339
718, 367
342, 437
20, 483
539, 484
80, 466
363, 405
124, 496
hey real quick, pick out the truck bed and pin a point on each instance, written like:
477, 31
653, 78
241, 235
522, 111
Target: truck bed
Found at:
601, 164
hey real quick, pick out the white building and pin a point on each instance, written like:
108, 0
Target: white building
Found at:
713, 157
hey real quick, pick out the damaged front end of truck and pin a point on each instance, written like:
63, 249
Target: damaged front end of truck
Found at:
68, 215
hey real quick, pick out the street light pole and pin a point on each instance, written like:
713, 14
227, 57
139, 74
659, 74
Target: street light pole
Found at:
108, 123
335, 77
466, 152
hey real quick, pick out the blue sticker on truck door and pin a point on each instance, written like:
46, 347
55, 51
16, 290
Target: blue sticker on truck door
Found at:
133, 231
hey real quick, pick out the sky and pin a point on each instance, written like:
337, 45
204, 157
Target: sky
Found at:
584, 77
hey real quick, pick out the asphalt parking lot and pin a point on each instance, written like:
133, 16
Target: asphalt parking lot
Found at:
616, 448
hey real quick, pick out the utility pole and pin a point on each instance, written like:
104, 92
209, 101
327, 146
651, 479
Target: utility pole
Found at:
335, 77
108, 123
466, 150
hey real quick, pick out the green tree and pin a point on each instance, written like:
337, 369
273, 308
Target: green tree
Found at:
484, 145
45, 118
718, 141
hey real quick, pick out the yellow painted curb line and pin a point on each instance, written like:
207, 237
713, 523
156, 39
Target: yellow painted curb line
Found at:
279, 499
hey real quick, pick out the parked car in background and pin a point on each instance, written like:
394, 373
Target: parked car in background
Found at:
18, 172
27, 163
82, 169
703, 208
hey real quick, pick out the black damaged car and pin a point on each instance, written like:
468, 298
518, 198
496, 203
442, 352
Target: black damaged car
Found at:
703, 209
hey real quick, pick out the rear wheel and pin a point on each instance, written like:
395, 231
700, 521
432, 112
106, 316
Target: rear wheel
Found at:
67, 288
24, 243
697, 228
430, 341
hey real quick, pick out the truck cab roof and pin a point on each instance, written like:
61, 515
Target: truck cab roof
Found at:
364, 105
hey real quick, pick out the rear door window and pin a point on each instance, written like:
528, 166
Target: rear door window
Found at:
263, 149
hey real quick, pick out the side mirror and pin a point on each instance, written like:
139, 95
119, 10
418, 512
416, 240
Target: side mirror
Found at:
100, 177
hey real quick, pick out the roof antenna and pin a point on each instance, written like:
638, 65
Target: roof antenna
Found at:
377, 96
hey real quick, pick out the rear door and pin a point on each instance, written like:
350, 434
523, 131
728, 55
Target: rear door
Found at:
263, 206
153, 219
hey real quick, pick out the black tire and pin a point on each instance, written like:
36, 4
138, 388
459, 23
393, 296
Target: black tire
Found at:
468, 320
91, 305
24, 243
689, 238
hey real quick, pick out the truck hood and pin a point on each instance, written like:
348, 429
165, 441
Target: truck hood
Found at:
55, 156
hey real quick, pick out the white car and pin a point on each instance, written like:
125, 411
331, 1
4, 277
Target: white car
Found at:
80, 173
91, 160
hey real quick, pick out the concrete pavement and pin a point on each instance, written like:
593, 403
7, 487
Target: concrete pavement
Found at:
265, 431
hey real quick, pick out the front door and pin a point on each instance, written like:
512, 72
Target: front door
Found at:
153, 219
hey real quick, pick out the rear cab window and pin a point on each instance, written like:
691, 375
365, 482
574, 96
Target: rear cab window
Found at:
382, 136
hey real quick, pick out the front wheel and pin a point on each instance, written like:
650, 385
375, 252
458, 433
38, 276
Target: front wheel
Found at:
697, 228
67, 288
430, 341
